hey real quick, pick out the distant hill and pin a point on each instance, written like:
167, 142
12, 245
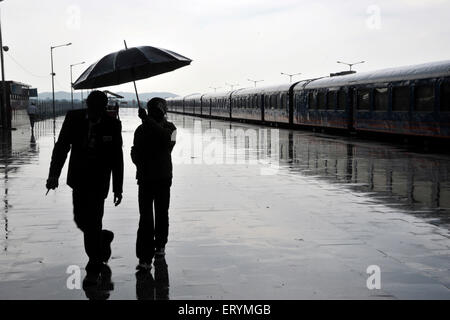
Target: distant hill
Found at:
128, 96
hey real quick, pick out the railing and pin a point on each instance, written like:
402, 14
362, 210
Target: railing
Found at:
45, 108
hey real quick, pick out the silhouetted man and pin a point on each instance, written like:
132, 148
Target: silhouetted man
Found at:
96, 143
32, 111
154, 140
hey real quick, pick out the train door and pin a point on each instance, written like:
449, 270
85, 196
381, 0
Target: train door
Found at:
352, 110
262, 99
290, 103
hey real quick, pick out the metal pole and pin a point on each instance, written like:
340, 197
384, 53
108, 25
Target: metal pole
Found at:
4, 113
290, 75
53, 84
71, 84
134, 82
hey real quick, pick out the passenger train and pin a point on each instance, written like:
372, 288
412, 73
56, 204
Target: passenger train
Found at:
411, 101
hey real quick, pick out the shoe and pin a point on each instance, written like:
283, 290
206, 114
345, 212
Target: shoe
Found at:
92, 277
144, 265
107, 238
160, 252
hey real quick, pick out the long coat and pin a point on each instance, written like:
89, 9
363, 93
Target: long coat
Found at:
96, 153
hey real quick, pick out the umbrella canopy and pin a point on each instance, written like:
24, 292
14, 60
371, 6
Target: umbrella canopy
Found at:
129, 65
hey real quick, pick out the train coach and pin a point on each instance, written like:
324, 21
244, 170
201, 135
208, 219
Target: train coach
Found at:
407, 101
412, 100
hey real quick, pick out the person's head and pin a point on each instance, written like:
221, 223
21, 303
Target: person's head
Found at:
96, 102
157, 108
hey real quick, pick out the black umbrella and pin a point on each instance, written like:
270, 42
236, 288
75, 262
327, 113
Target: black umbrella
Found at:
128, 65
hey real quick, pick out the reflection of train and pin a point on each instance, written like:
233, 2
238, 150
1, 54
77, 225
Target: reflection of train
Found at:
383, 172
411, 181
412, 100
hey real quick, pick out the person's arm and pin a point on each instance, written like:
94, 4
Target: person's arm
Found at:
173, 138
136, 149
117, 169
60, 151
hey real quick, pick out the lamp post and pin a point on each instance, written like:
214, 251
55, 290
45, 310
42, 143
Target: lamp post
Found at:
3, 113
255, 81
350, 64
232, 85
71, 81
290, 75
53, 76
215, 88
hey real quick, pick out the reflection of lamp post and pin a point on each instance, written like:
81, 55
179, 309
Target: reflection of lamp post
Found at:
255, 81
232, 85
290, 75
215, 88
71, 81
3, 113
53, 75
350, 64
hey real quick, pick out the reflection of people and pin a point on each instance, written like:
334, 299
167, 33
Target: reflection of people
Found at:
101, 289
32, 113
32, 142
148, 288
154, 140
96, 143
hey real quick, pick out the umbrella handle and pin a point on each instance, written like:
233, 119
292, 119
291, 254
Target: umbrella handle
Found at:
134, 82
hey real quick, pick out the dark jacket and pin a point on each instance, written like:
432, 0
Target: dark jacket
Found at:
92, 160
151, 151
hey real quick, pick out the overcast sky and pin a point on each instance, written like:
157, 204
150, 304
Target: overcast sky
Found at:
229, 40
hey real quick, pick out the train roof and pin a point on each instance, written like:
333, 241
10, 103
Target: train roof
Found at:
217, 94
415, 72
193, 96
259, 90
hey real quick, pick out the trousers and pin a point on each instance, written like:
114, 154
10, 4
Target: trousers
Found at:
88, 208
153, 231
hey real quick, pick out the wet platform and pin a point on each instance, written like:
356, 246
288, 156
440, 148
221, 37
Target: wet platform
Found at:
256, 213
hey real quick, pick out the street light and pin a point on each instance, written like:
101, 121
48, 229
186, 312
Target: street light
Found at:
215, 88
255, 81
350, 64
53, 75
71, 81
3, 113
290, 75
232, 85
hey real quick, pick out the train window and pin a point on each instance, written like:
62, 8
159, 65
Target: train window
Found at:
381, 99
312, 99
342, 100
282, 100
364, 99
400, 99
273, 101
331, 100
424, 98
445, 97
321, 100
